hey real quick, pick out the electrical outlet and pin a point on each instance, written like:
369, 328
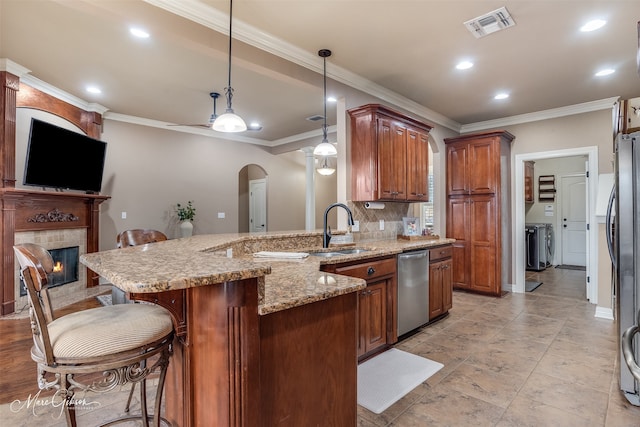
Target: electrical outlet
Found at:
381, 224
356, 226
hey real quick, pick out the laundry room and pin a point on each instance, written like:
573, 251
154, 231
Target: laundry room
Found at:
555, 219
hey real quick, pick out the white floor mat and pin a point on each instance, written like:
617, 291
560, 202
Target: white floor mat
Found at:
384, 379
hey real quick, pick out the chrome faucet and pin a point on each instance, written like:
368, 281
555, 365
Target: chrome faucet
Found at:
326, 232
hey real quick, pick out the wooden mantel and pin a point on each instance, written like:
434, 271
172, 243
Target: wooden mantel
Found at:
25, 210
29, 210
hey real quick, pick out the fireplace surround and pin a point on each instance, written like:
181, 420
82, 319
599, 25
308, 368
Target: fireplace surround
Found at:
27, 211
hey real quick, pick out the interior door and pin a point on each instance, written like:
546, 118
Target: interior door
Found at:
257, 205
574, 220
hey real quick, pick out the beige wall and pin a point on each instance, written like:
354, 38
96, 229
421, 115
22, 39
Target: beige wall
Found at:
580, 130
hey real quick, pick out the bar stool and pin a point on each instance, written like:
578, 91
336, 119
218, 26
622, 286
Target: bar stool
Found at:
125, 343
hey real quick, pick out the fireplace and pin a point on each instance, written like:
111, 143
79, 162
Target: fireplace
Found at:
65, 267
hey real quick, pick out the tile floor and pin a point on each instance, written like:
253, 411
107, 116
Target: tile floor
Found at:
536, 359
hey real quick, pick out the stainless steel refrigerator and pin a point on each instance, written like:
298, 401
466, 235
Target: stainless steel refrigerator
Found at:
624, 245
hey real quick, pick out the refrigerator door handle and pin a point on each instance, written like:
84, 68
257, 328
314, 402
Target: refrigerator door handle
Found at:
608, 223
627, 350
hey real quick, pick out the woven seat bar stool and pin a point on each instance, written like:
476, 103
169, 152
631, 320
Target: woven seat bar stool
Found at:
96, 349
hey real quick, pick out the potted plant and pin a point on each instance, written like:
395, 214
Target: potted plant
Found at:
186, 214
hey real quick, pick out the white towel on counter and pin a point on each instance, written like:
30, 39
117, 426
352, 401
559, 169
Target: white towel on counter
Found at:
289, 255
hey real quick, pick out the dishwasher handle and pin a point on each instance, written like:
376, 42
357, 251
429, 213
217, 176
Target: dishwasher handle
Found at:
413, 255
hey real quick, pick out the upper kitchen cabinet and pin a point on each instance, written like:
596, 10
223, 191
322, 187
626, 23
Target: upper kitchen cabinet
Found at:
473, 163
389, 155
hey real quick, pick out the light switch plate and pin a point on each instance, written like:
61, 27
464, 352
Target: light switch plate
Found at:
356, 226
381, 224
221, 215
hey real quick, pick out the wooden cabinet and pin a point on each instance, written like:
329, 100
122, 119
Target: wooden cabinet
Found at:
528, 182
377, 317
478, 211
440, 281
472, 167
389, 155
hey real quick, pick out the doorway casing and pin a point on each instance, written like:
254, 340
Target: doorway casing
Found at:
519, 215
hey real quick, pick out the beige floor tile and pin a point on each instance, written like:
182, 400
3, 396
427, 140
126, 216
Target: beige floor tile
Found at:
504, 361
534, 327
496, 388
445, 407
529, 413
567, 396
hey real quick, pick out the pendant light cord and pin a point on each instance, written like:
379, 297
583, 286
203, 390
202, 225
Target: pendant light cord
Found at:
324, 126
324, 53
229, 89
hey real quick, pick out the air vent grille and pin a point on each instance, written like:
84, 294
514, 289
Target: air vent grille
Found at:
316, 118
491, 22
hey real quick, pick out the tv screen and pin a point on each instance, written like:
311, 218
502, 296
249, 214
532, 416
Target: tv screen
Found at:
61, 158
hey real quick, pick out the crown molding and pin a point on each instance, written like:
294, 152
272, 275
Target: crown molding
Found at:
586, 107
13, 68
36, 83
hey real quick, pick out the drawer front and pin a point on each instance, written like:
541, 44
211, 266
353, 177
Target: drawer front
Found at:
441, 253
369, 270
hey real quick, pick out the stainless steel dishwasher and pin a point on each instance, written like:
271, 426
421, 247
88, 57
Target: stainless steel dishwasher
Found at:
413, 290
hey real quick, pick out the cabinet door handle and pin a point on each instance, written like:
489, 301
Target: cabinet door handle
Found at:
371, 271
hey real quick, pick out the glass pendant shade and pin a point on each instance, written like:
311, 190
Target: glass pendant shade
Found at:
229, 122
325, 149
326, 169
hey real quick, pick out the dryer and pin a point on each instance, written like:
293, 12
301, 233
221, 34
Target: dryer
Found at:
536, 247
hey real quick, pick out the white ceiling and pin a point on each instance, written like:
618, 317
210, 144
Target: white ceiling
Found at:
401, 51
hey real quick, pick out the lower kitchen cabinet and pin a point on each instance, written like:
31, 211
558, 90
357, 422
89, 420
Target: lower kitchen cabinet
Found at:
372, 317
440, 281
377, 317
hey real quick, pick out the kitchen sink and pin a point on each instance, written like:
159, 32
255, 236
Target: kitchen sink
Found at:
338, 253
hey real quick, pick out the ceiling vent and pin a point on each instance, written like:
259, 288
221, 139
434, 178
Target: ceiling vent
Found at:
316, 118
490, 22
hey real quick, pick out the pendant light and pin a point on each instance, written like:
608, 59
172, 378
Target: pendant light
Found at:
326, 169
229, 121
325, 148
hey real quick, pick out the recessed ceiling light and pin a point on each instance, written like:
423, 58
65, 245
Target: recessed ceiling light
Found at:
255, 126
605, 72
464, 65
93, 89
138, 32
502, 95
593, 25
332, 99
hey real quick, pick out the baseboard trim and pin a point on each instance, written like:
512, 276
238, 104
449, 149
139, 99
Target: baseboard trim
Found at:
604, 313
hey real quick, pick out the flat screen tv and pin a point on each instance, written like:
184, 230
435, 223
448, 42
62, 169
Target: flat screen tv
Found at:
63, 159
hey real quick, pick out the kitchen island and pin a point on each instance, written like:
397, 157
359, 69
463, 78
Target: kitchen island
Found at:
260, 341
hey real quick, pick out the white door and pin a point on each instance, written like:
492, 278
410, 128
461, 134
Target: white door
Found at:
257, 205
574, 220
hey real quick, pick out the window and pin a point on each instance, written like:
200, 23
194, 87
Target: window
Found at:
427, 207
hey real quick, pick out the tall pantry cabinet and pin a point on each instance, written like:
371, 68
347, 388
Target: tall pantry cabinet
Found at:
479, 211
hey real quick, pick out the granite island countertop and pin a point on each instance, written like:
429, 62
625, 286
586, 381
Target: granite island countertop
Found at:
205, 260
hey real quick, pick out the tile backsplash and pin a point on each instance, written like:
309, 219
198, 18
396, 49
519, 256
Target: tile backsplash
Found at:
369, 219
